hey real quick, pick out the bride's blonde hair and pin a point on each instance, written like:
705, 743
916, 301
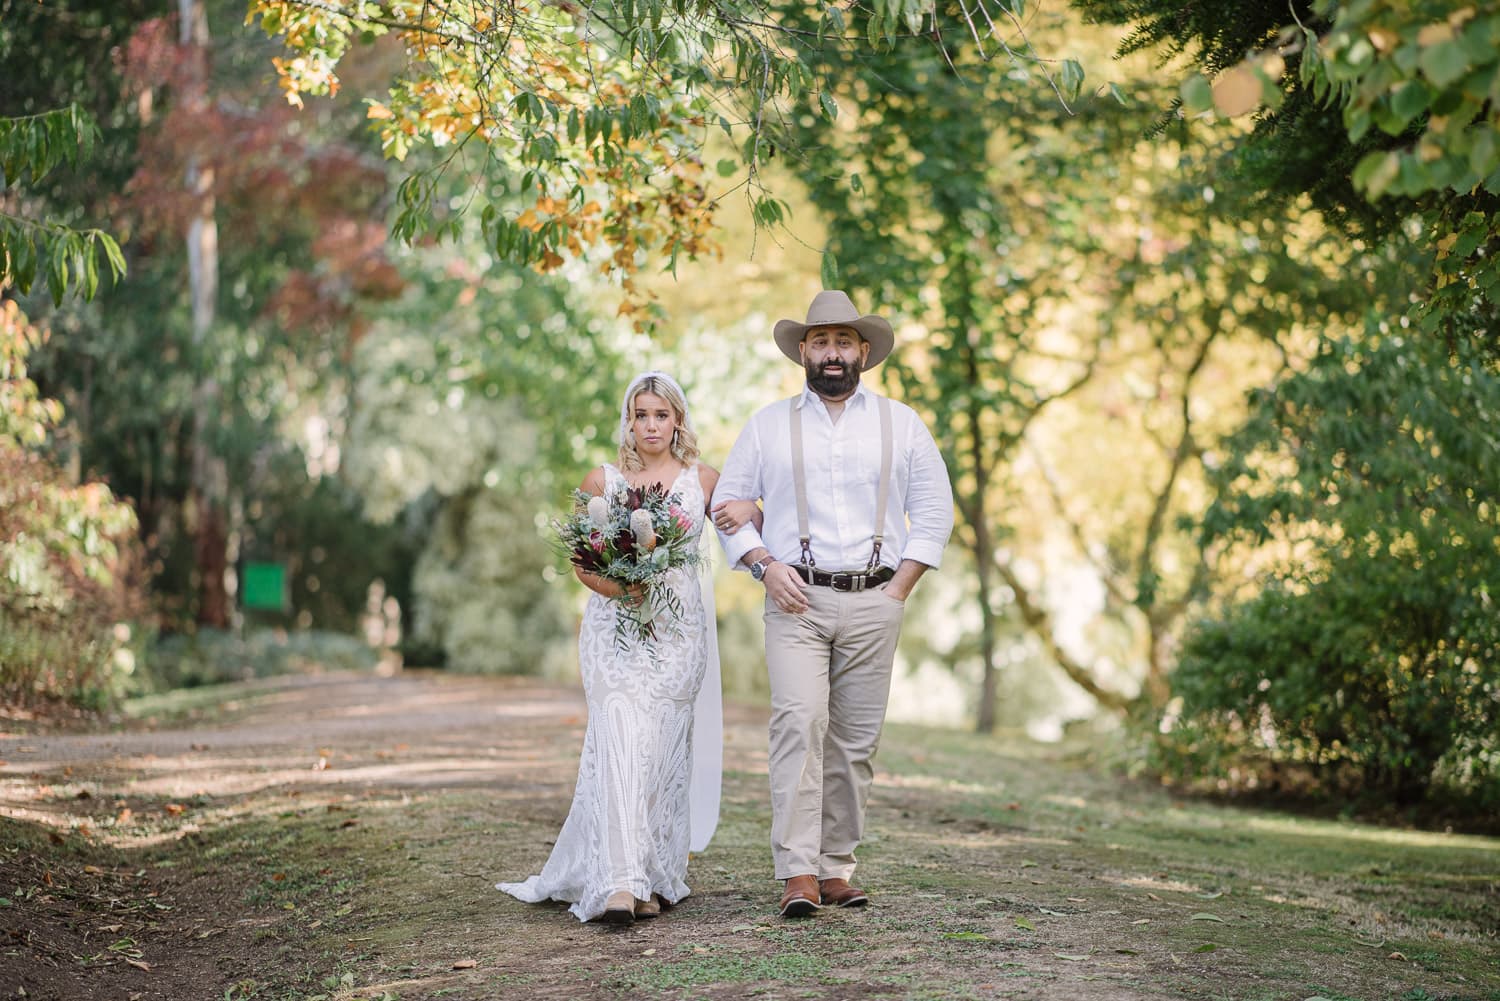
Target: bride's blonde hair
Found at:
684, 444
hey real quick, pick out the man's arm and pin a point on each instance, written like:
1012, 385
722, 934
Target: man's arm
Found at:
740, 480
929, 512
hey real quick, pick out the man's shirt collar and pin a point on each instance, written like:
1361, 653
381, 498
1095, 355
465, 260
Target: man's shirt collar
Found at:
860, 393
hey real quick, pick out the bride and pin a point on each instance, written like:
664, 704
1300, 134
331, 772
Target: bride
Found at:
648, 777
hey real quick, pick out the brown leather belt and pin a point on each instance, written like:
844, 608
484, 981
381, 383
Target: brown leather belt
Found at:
844, 580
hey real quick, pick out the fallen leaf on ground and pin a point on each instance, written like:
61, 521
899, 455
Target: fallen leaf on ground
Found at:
649, 952
139, 965
1401, 956
1023, 923
1215, 895
1154, 897
1206, 947
1141, 921
1205, 916
1070, 957
93, 870
466, 964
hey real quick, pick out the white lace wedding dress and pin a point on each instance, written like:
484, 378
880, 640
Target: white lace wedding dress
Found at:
629, 827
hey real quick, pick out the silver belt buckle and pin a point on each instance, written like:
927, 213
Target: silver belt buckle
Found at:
857, 581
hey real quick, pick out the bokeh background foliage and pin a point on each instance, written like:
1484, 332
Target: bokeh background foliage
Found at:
1198, 302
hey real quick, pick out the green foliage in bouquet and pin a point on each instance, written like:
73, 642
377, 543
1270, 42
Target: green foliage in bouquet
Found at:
633, 536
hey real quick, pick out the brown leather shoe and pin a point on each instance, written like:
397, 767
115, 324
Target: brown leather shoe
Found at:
646, 909
801, 897
838, 891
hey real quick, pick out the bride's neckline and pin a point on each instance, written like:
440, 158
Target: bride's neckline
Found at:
668, 485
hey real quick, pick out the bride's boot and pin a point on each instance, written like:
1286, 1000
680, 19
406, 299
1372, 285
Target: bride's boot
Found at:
619, 909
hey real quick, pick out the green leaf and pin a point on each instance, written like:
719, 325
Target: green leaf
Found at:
1025, 925
1444, 62
113, 255
830, 106
830, 270
1205, 916
1375, 172
1071, 78
1410, 100
1197, 94
1206, 947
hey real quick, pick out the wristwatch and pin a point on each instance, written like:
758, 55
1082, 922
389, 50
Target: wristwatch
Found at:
759, 567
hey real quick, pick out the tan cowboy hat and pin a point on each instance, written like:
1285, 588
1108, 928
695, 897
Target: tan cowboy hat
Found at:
834, 308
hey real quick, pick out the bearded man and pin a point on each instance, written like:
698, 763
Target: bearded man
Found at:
857, 506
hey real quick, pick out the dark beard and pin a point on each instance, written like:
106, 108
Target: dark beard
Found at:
833, 386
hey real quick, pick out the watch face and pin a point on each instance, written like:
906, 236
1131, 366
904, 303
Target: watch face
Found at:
758, 571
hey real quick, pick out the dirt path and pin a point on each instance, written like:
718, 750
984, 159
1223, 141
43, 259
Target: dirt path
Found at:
338, 836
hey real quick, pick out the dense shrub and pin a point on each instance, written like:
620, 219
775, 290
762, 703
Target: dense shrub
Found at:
210, 656
1372, 649
71, 597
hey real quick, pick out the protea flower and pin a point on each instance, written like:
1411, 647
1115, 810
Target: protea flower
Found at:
640, 525
598, 511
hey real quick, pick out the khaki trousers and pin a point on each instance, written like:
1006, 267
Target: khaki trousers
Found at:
830, 672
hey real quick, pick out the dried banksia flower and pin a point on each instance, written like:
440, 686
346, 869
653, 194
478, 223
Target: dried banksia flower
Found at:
640, 524
598, 511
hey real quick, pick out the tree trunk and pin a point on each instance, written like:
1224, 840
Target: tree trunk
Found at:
990, 680
205, 509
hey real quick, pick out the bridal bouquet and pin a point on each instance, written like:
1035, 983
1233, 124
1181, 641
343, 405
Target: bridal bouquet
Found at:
633, 535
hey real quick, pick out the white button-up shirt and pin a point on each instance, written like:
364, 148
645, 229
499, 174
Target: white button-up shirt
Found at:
842, 476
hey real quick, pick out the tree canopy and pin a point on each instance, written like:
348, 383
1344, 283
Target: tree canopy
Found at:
602, 115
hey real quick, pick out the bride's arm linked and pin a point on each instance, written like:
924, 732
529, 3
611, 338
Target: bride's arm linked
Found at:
728, 516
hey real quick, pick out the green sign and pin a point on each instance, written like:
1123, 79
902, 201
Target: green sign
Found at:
263, 585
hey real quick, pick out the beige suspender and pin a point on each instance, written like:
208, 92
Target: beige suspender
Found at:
885, 480
799, 480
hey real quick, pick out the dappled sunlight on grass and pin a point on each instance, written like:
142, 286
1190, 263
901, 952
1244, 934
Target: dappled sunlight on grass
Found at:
897, 781
1302, 828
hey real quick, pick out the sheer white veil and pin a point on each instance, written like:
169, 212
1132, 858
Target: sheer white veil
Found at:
708, 711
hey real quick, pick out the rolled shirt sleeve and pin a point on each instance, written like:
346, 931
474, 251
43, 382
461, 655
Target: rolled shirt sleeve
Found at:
740, 480
929, 499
